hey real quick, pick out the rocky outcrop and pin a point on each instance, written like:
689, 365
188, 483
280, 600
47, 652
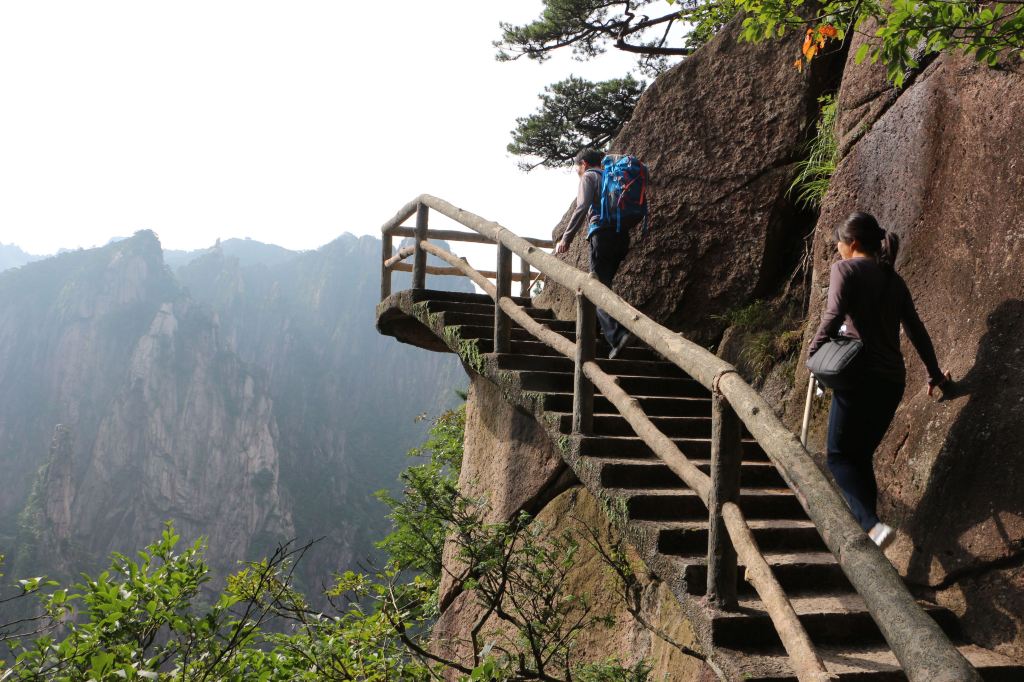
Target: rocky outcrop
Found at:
721, 133
939, 164
509, 459
509, 463
190, 436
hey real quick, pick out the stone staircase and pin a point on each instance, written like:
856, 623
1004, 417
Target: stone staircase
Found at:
665, 521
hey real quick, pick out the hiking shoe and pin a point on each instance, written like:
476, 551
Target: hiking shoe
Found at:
882, 534
620, 346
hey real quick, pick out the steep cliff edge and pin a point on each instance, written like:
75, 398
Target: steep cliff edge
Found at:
512, 462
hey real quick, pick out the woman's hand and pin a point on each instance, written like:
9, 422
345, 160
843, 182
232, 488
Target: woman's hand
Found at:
562, 246
943, 386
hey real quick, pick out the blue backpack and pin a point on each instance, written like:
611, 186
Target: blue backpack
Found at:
623, 192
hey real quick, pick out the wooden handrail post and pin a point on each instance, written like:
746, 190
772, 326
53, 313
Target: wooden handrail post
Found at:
524, 282
386, 249
503, 286
726, 456
419, 262
586, 344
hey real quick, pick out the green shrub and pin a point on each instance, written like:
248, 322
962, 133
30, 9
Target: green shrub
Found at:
815, 172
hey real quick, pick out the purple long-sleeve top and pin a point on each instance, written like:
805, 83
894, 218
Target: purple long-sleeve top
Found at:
873, 301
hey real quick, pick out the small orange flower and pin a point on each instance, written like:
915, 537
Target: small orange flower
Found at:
828, 31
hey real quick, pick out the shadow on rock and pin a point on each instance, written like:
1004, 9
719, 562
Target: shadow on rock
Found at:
968, 528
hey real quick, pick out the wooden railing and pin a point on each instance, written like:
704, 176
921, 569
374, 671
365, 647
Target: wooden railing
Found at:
923, 650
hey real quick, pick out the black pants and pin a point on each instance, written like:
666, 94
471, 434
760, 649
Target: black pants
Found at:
607, 249
857, 422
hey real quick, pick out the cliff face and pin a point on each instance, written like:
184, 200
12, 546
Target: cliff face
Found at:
940, 165
252, 405
345, 400
157, 420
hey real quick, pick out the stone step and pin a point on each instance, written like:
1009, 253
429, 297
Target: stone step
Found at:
486, 333
799, 573
462, 297
617, 367
654, 504
633, 447
653, 406
458, 317
829, 619
865, 664
561, 382
673, 427
652, 473
524, 347
690, 538
483, 309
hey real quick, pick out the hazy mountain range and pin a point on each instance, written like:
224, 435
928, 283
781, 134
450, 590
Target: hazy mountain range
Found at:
240, 390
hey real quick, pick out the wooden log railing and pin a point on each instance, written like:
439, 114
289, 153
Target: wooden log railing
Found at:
923, 650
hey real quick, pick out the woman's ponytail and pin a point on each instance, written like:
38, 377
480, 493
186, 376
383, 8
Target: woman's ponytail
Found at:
888, 249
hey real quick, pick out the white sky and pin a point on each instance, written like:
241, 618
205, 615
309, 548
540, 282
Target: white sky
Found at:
287, 122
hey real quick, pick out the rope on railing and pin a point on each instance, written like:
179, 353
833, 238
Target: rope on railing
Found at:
919, 644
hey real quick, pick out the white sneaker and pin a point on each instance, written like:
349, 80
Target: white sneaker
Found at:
626, 339
881, 534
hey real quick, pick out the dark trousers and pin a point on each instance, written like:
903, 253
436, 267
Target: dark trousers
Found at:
607, 249
857, 422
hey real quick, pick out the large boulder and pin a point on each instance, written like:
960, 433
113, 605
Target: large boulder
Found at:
942, 166
721, 133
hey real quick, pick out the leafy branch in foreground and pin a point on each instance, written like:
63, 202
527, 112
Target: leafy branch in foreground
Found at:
22, 625
143, 619
902, 32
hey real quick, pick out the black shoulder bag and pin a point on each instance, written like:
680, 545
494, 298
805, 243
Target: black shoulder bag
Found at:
834, 363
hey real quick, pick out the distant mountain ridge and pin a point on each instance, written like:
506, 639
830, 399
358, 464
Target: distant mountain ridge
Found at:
244, 393
247, 251
12, 256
